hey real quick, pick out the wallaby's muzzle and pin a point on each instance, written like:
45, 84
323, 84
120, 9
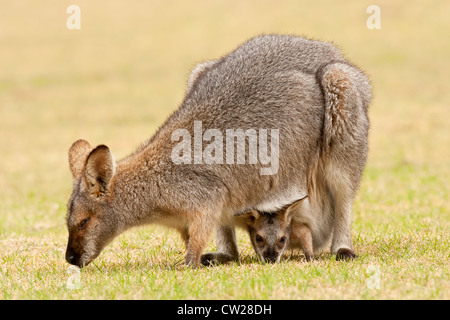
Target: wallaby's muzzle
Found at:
76, 258
271, 256
72, 257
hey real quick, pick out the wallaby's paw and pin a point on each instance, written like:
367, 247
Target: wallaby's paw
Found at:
215, 258
208, 259
309, 257
345, 254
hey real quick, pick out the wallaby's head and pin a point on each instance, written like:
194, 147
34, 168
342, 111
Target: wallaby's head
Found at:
89, 220
270, 231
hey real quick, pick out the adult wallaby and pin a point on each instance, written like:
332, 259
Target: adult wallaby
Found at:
304, 91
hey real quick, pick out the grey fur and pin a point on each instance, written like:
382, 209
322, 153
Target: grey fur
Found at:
272, 81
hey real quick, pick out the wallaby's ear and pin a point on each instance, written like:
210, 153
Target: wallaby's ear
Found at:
248, 217
99, 169
289, 210
77, 156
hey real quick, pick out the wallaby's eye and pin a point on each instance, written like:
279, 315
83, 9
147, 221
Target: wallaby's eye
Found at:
283, 239
83, 223
259, 239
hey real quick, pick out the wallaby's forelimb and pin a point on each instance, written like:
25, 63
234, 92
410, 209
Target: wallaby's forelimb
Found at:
227, 249
184, 233
303, 234
199, 231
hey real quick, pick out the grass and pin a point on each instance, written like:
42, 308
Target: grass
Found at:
117, 79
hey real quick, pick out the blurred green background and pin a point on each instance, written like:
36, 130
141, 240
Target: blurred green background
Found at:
117, 79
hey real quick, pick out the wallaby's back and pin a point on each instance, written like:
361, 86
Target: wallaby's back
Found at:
268, 82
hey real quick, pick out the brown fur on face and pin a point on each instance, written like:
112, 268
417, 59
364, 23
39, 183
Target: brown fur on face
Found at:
90, 227
270, 232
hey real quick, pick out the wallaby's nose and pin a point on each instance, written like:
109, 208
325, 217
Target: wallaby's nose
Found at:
70, 256
271, 259
70, 259
271, 256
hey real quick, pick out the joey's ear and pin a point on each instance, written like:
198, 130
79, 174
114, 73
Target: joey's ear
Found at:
99, 168
77, 156
248, 217
290, 209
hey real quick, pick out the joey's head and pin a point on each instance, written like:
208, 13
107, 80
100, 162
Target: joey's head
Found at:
270, 231
90, 222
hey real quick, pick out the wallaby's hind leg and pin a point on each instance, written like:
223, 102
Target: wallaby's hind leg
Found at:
346, 125
227, 249
343, 179
341, 244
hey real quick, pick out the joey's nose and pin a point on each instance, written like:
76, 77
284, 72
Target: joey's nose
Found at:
271, 256
271, 259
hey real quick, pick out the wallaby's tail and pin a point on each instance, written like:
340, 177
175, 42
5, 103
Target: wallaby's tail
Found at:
347, 94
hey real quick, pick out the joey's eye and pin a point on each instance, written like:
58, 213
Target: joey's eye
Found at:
259, 239
83, 223
283, 239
